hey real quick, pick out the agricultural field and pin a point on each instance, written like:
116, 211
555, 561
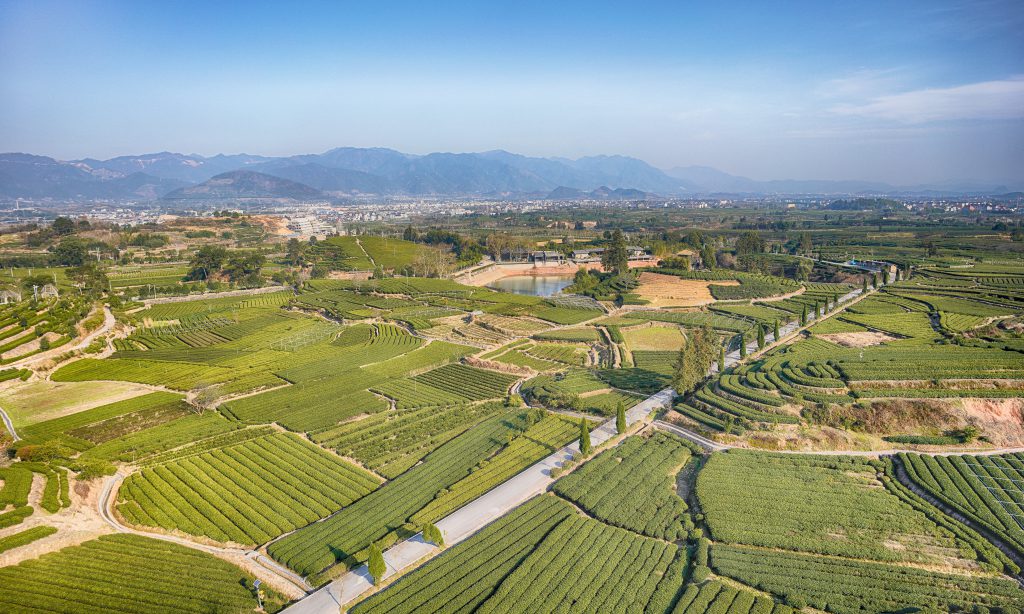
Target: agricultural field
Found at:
324, 415
127, 573
543, 556
249, 493
632, 486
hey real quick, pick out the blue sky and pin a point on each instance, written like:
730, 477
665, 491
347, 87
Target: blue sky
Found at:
904, 92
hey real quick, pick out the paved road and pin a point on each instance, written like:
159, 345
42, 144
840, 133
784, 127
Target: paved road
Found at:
469, 519
9, 425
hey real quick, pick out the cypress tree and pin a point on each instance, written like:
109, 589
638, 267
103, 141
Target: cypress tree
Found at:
433, 535
803, 316
775, 333
620, 418
721, 359
760, 337
817, 309
874, 280
584, 438
864, 284
376, 564
743, 346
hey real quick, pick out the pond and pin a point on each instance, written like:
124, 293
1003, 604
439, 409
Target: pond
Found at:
537, 285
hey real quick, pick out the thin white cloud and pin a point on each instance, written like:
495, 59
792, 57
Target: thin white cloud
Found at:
1001, 99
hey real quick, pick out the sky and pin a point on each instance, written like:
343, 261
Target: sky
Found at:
904, 92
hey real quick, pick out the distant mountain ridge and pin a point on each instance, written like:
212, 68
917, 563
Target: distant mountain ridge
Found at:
350, 171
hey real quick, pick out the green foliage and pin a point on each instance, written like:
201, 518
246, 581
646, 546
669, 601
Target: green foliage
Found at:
250, 492
620, 417
23, 538
584, 438
126, 573
375, 563
845, 586
632, 486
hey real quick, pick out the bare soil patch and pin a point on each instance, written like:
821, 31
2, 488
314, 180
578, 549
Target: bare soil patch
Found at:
76, 524
662, 290
1001, 421
861, 339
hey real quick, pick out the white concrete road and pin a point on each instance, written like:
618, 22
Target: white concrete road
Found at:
469, 519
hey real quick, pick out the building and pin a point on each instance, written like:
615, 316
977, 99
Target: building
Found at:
9, 296
546, 257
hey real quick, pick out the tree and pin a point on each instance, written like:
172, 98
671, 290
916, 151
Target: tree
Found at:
817, 310
775, 332
874, 280
803, 316
295, 253
244, 267
749, 243
806, 245
206, 262
803, 270
885, 275
410, 234
721, 359
620, 418
695, 358
707, 257
760, 336
63, 226
584, 438
615, 257
71, 251
433, 535
743, 346
376, 564
864, 284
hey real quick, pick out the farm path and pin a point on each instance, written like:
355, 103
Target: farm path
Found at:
108, 324
8, 424
252, 561
469, 519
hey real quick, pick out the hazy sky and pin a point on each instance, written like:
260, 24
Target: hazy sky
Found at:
900, 91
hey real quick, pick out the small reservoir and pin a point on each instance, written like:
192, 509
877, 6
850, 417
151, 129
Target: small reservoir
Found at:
537, 285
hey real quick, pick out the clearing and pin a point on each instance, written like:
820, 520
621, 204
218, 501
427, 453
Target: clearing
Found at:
670, 291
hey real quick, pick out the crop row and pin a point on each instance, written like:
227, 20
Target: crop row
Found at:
532, 445
250, 492
392, 442
847, 587
125, 573
633, 486
344, 536
826, 506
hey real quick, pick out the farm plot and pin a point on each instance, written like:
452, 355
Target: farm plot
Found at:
392, 442
654, 338
987, 489
154, 440
846, 586
718, 597
83, 429
249, 493
543, 556
527, 448
127, 573
821, 505
345, 536
593, 567
564, 315
447, 384
632, 486
463, 577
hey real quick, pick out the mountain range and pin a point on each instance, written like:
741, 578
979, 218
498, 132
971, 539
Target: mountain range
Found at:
348, 171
